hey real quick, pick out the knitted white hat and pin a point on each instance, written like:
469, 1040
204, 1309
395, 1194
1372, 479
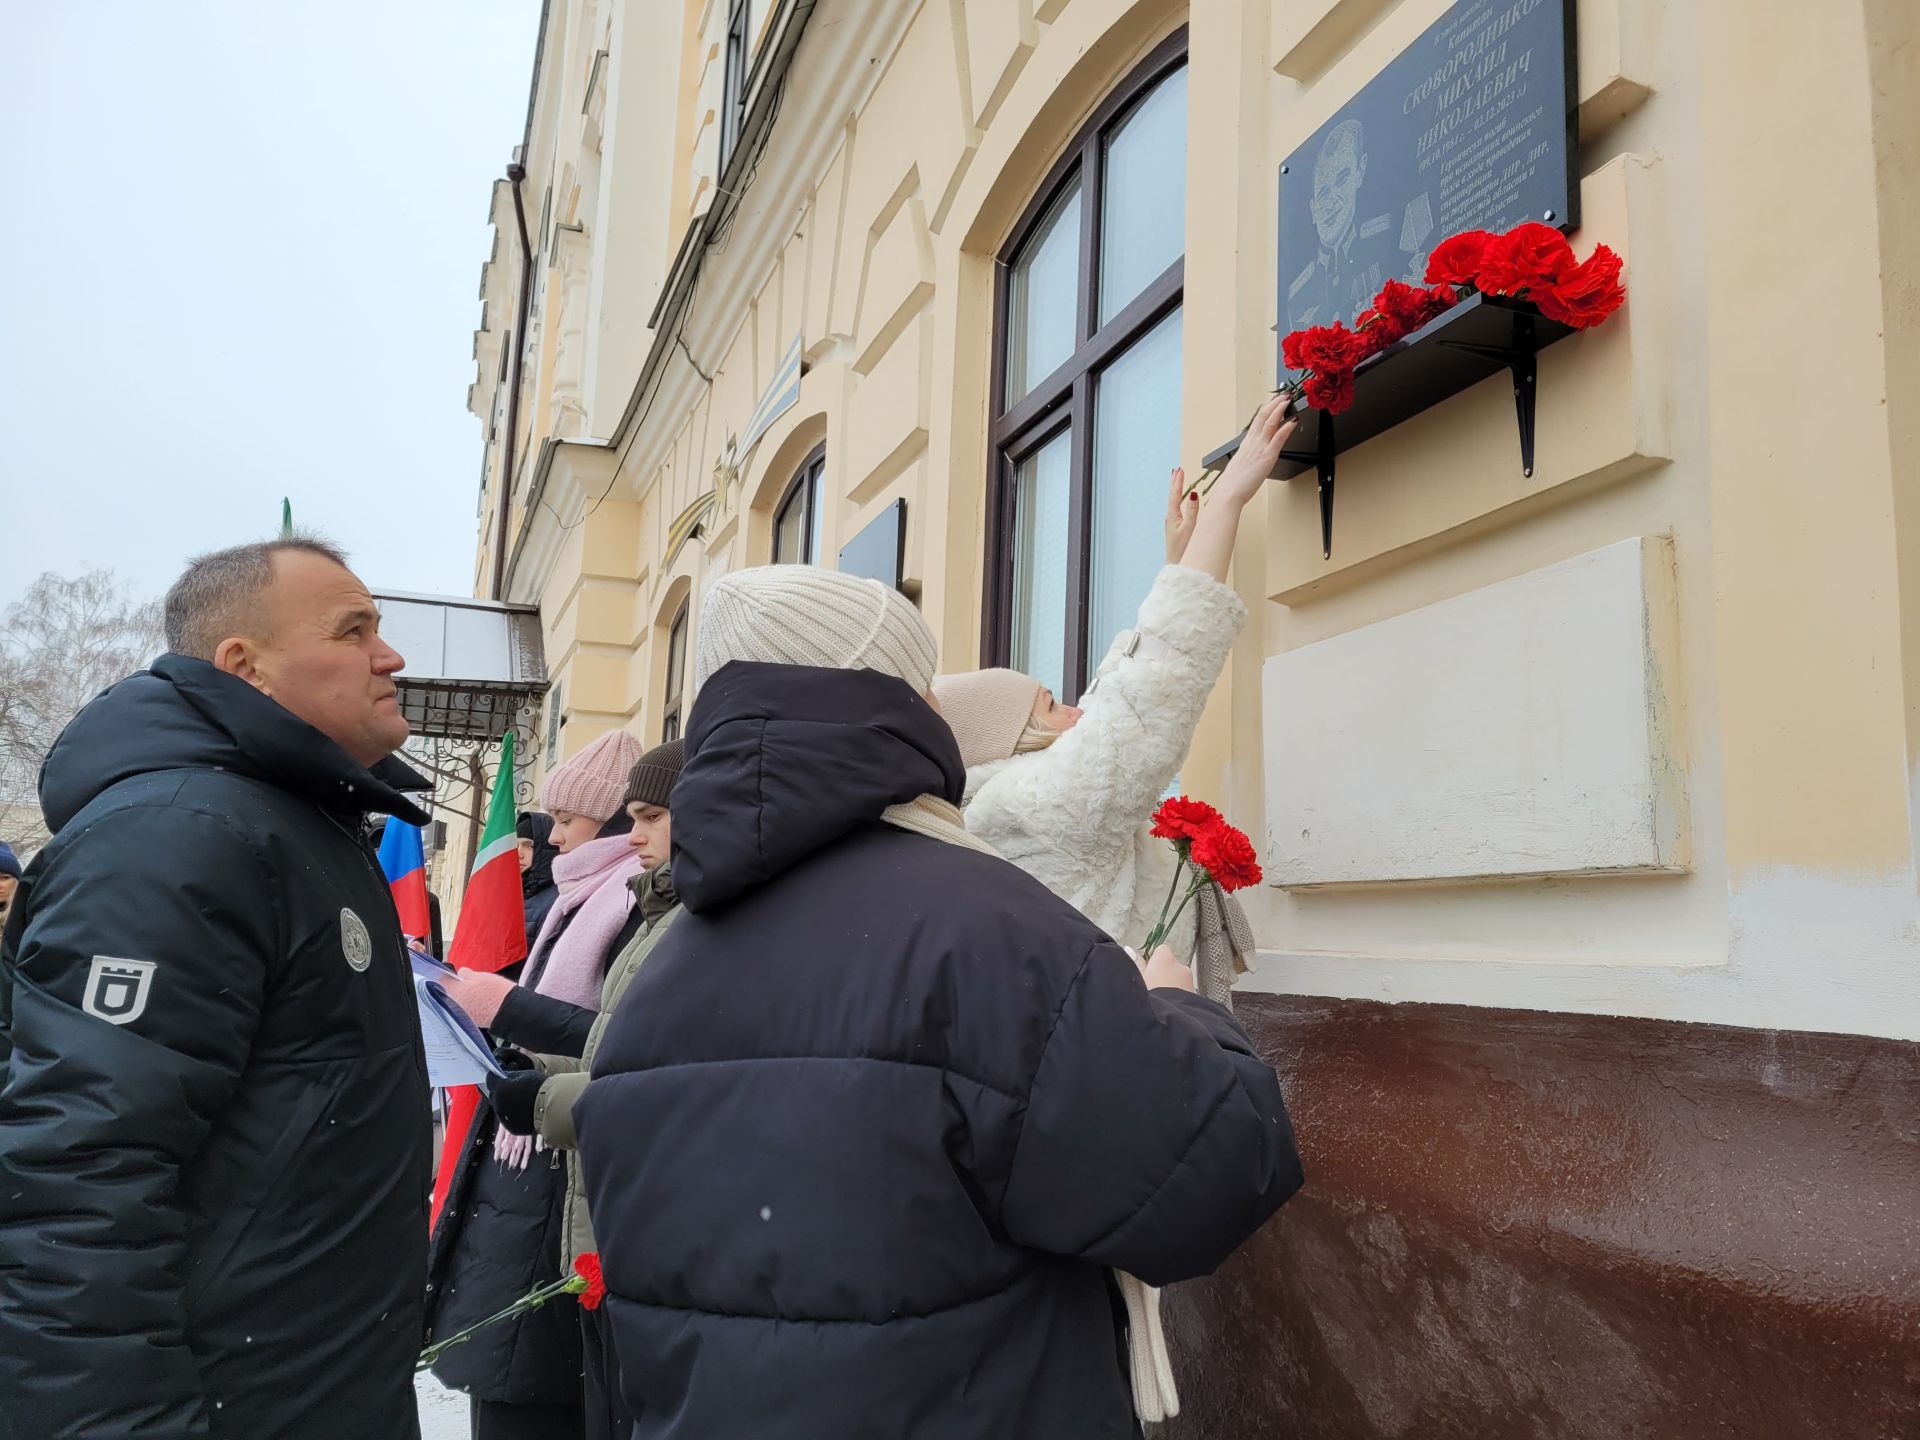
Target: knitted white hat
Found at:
803, 615
988, 711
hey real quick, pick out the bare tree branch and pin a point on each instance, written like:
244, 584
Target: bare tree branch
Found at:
65, 640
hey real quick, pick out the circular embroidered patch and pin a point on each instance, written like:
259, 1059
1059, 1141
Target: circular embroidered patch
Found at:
355, 940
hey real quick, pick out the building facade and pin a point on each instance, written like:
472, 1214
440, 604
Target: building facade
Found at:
1591, 948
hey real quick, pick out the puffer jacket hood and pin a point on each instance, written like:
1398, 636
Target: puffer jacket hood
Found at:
784, 760
185, 714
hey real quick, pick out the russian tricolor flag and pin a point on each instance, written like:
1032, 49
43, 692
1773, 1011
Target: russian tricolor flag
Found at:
404, 860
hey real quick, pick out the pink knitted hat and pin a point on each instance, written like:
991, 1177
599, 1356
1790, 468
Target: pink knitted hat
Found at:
594, 781
987, 710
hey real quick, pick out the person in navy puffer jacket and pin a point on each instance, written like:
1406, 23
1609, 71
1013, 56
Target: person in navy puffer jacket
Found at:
873, 1127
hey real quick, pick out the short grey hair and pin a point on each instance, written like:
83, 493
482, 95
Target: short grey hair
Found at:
211, 601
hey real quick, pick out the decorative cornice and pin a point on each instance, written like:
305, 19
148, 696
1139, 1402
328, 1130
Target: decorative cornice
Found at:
834, 71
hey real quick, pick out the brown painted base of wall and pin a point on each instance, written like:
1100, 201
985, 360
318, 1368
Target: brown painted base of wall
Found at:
1543, 1225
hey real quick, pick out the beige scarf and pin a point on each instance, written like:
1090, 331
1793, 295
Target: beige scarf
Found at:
1154, 1396
1223, 944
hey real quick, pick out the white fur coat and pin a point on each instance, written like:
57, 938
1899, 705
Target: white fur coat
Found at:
1076, 815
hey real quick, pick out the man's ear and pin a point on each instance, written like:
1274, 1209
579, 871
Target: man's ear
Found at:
237, 657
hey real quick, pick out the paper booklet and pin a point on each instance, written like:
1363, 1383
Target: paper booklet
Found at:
457, 1053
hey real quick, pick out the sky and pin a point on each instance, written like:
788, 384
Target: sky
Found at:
240, 251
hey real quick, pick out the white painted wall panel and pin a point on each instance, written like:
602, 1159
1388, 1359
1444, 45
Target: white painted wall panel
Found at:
1523, 729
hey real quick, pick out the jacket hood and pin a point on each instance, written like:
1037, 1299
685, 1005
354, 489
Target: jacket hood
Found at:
784, 760
184, 714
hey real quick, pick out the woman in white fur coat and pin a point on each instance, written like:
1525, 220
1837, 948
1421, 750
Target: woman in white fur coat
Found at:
1068, 794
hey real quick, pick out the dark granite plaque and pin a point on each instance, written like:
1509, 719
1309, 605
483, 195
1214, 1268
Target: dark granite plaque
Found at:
877, 552
1472, 126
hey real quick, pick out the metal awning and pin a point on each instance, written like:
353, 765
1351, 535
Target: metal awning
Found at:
472, 665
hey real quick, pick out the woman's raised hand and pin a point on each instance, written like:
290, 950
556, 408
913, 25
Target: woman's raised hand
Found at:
1183, 508
1253, 461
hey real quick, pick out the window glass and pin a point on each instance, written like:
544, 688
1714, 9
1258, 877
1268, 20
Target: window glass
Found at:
815, 510
1136, 442
1040, 505
1143, 196
677, 655
797, 523
1115, 391
1041, 297
790, 530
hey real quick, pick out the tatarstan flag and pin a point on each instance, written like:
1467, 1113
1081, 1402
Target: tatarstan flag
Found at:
491, 934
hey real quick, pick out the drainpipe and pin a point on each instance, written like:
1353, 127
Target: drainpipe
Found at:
516, 176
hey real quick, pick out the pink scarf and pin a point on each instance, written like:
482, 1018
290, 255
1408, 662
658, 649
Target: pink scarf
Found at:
592, 880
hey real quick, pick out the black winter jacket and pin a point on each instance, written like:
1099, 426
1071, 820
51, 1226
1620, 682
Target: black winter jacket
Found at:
869, 1126
214, 1130
499, 1238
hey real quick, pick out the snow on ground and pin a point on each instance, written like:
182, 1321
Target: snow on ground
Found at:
443, 1412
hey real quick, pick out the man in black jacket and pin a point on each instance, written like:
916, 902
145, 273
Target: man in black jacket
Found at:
872, 1128
214, 1134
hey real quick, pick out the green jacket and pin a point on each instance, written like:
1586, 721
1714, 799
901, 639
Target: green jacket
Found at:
568, 1077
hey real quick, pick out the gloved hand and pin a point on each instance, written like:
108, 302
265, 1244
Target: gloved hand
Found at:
512, 1059
512, 1097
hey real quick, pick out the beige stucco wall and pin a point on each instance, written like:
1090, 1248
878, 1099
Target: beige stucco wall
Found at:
1752, 407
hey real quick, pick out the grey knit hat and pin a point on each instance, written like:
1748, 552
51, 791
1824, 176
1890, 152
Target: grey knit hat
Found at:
803, 615
653, 777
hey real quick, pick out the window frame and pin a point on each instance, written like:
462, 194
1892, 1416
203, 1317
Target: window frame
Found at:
673, 694
1065, 397
733, 84
801, 489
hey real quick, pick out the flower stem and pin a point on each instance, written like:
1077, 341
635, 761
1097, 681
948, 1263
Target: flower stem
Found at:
1185, 900
572, 1285
1159, 925
1164, 927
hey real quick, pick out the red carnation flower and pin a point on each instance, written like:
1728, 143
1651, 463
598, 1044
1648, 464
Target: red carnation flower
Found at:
1228, 856
1402, 304
1436, 300
1526, 259
1291, 354
1587, 295
587, 1267
1330, 391
1379, 330
1456, 260
1323, 347
1179, 818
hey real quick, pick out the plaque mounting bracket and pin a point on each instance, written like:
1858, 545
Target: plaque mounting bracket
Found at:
1520, 358
1478, 338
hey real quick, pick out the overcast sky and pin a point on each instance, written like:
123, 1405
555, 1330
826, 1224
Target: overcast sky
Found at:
240, 250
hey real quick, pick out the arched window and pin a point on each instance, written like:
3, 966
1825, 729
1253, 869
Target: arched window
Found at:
1086, 393
796, 519
676, 674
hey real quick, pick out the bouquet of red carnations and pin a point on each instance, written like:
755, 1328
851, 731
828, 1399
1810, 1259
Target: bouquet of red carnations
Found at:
1211, 852
1530, 262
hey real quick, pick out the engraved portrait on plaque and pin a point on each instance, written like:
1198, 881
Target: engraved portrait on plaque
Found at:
1472, 126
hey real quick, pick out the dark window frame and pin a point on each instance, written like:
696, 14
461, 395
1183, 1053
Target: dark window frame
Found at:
733, 85
676, 677
800, 490
1065, 397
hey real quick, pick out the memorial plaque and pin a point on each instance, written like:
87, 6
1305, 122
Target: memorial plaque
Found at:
878, 552
1471, 127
